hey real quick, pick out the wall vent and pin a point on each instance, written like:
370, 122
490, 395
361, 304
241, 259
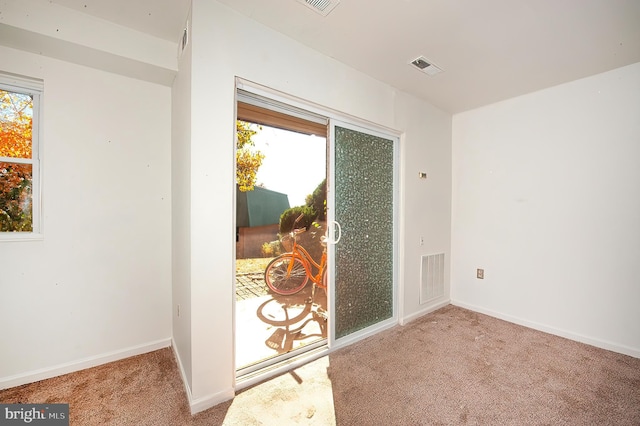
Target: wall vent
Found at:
432, 277
423, 64
323, 7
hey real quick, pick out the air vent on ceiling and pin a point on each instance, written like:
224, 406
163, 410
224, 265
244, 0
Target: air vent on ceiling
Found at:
323, 7
424, 65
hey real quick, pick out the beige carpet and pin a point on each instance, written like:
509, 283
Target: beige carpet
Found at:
458, 367
449, 367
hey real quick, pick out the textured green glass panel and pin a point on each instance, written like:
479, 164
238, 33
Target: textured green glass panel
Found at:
364, 209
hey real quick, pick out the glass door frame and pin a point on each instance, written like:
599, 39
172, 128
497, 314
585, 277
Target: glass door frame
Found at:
377, 131
324, 348
249, 92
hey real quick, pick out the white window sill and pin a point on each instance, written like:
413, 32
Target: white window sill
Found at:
20, 236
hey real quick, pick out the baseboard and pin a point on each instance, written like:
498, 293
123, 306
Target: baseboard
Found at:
70, 367
206, 402
209, 401
183, 374
424, 311
603, 344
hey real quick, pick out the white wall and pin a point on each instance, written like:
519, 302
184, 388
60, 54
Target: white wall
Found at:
226, 45
426, 203
546, 198
181, 213
98, 286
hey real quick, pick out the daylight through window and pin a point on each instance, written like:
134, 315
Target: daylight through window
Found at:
19, 157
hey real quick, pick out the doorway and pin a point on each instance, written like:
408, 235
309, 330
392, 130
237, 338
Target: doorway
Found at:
355, 206
281, 172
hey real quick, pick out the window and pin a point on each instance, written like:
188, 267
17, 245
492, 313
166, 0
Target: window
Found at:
19, 157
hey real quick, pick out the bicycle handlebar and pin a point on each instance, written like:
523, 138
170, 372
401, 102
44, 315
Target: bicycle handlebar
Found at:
295, 231
298, 231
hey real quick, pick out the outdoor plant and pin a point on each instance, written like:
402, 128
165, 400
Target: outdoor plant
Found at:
288, 217
318, 200
315, 209
272, 249
248, 159
16, 125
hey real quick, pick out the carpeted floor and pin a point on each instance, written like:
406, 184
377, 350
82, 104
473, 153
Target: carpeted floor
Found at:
458, 367
450, 367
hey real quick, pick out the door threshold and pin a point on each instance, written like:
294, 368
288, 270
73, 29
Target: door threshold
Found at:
253, 374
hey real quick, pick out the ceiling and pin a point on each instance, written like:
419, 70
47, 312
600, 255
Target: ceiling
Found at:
490, 50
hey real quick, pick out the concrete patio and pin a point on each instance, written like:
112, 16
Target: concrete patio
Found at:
268, 325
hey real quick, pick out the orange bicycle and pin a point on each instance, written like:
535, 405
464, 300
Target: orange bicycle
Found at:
290, 272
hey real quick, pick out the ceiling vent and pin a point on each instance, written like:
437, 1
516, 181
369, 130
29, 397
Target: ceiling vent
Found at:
424, 65
323, 7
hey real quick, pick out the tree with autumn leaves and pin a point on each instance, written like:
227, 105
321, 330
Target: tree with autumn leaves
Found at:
248, 160
16, 124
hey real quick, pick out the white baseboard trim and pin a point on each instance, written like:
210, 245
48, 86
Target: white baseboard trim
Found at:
209, 401
70, 367
603, 344
424, 311
183, 374
206, 402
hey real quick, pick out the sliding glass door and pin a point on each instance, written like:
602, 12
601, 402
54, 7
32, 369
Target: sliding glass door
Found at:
356, 204
363, 204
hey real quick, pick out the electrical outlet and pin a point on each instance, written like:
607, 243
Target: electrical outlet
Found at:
480, 274
421, 241
178, 311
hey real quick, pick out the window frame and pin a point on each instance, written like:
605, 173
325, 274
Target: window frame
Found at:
34, 87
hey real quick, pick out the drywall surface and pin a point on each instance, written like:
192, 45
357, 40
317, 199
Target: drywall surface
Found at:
426, 220
546, 199
98, 285
181, 213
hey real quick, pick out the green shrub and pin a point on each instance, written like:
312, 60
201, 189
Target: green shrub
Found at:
318, 200
289, 216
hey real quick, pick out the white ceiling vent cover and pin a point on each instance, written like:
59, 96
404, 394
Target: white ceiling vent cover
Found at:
323, 7
423, 64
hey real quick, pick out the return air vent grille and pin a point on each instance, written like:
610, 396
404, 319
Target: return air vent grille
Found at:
323, 7
432, 277
423, 64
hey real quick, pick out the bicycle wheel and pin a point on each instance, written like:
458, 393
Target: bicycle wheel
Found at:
279, 279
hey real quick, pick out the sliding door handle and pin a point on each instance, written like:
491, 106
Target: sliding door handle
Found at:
335, 224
